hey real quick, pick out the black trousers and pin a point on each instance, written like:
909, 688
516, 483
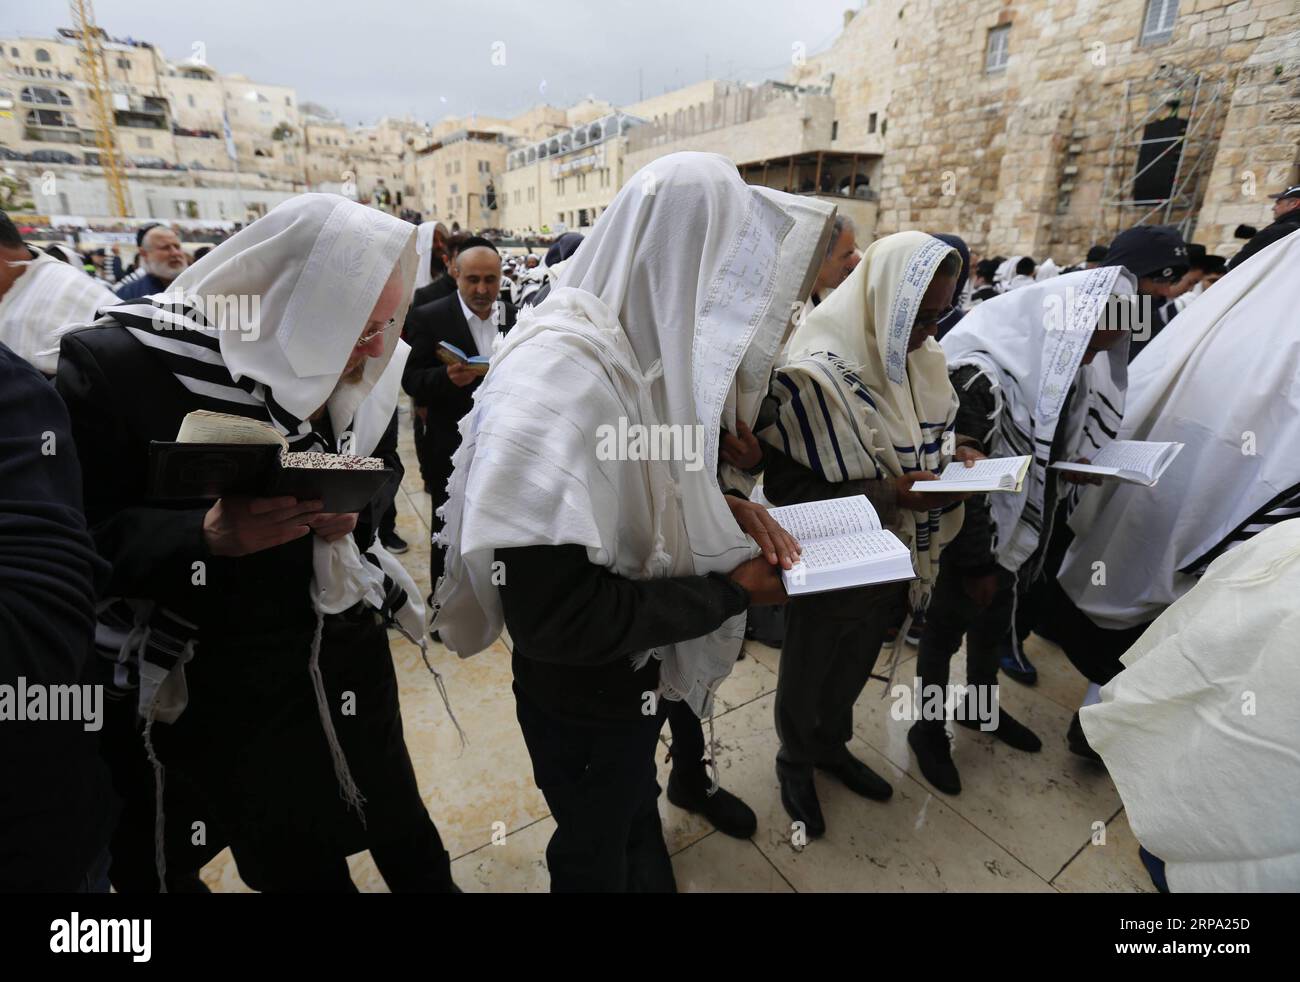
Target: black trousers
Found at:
832, 641
951, 615
1094, 651
598, 779
688, 747
250, 757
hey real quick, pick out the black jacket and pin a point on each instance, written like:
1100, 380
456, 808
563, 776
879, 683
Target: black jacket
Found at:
443, 286
425, 381
1284, 226
55, 804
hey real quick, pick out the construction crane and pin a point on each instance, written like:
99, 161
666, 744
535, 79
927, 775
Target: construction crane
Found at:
96, 74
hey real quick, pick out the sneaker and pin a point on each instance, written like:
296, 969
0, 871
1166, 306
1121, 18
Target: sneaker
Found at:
929, 741
1015, 663
393, 543
914, 632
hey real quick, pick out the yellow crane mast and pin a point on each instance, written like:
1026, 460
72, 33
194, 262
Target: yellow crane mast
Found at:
96, 74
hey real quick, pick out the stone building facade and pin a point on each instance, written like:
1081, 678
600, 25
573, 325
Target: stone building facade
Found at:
1015, 122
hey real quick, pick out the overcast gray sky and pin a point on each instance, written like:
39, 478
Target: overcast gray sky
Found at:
369, 58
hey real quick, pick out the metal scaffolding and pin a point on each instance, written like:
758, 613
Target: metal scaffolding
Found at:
1170, 92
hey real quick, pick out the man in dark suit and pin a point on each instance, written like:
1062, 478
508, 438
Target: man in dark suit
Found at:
471, 318
441, 258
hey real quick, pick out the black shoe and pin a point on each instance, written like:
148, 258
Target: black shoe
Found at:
725, 812
929, 741
799, 796
1078, 743
858, 777
393, 543
1009, 730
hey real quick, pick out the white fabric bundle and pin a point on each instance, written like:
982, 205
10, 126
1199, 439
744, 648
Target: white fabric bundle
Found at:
1199, 731
670, 314
1031, 344
47, 300
1221, 379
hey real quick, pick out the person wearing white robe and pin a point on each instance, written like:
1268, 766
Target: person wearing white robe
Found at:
1199, 729
1224, 385
40, 298
623, 574
1039, 372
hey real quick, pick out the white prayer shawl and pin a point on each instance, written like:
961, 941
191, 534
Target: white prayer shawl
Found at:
316, 265
856, 405
49, 299
1221, 379
1199, 731
1046, 270
1006, 273
670, 314
1030, 344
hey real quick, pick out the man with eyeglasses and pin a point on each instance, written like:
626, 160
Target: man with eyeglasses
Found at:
1157, 257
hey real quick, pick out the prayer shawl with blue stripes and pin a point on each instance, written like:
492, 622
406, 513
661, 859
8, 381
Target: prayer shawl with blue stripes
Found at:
1222, 380
856, 405
1030, 344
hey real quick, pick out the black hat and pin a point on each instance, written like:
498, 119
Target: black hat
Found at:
1292, 192
1149, 250
1216, 264
1096, 254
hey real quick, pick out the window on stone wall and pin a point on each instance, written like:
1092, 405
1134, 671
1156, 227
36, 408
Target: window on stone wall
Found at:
42, 54
835, 129
1158, 24
871, 123
996, 52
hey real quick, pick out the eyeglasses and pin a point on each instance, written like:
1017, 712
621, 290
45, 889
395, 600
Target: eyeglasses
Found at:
367, 338
929, 320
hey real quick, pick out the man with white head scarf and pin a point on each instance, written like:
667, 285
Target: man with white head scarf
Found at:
253, 628
39, 297
1023, 368
1224, 385
624, 575
864, 405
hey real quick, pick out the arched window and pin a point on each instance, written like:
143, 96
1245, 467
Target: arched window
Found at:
42, 54
595, 133
532, 154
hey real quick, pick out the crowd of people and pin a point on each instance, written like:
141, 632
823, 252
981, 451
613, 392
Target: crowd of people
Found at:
242, 643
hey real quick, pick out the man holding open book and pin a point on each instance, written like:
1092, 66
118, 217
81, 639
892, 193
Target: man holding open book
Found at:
252, 628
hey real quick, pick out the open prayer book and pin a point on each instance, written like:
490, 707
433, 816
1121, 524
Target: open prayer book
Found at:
992, 474
216, 454
1134, 461
842, 546
449, 354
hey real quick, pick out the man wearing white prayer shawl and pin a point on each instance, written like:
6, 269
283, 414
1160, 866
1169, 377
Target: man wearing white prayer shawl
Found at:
1198, 730
253, 628
1224, 385
40, 297
865, 403
1039, 372
619, 566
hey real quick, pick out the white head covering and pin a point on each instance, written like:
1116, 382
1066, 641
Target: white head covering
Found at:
424, 236
671, 313
1222, 381
1031, 344
855, 404
49, 299
1199, 730
1006, 272
1046, 270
